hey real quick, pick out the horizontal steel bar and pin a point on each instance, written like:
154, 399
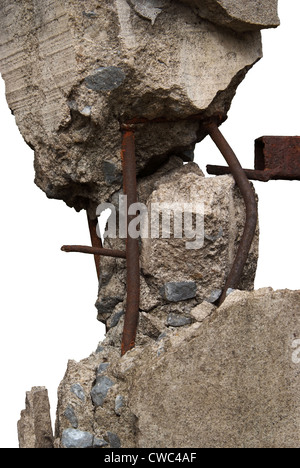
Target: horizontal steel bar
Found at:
254, 174
129, 125
94, 251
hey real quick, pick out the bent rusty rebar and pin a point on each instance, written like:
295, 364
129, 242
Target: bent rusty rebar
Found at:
132, 245
248, 194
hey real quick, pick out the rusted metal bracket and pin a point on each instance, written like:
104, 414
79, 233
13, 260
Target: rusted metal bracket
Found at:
276, 158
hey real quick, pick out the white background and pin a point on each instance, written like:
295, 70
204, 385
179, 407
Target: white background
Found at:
47, 297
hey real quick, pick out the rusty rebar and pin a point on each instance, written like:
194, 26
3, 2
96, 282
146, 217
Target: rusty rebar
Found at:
94, 251
251, 174
132, 245
96, 241
248, 194
130, 125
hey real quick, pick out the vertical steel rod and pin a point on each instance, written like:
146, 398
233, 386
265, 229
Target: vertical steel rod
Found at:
248, 194
96, 241
132, 245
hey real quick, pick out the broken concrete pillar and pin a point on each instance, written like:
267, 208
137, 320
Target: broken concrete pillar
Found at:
74, 72
228, 380
34, 426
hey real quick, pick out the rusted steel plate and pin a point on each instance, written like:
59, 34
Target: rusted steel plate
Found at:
280, 155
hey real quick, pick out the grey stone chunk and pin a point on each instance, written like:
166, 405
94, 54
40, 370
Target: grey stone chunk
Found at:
114, 440
229, 291
116, 318
111, 173
73, 438
119, 403
99, 443
71, 416
160, 350
90, 14
162, 336
78, 391
176, 320
214, 296
105, 79
216, 237
102, 368
148, 9
100, 390
107, 305
179, 291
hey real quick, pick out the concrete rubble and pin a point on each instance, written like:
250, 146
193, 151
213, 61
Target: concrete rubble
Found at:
34, 426
199, 376
75, 72
174, 278
230, 379
239, 15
